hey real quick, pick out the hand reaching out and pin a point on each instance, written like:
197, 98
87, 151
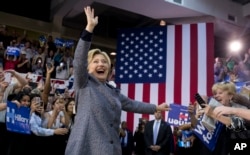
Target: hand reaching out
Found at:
223, 110
163, 107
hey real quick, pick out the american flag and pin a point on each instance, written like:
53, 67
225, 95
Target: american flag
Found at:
164, 64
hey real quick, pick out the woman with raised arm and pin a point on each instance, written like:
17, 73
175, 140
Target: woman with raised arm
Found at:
98, 104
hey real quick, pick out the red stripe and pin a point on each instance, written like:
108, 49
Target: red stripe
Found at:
130, 115
193, 60
210, 57
162, 95
146, 97
178, 64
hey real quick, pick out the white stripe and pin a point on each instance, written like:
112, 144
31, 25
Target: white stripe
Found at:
170, 64
202, 59
185, 79
153, 96
138, 97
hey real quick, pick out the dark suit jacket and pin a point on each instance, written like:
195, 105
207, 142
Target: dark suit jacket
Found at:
130, 144
164, 138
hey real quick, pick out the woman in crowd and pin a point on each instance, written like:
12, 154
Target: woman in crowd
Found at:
21, 100
223, 92
38, 67
41, 133
55, 119
99, 105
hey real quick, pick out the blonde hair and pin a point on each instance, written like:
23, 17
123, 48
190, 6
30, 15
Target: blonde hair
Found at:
225, 86
95, 51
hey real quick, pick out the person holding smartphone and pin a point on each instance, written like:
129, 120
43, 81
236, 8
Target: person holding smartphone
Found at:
62, 71
41, 135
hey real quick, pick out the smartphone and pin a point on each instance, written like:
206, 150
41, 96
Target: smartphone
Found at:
200, 100
37, 100
7, 77
74, 109
49, 65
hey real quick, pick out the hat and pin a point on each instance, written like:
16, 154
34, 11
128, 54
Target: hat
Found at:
23, 52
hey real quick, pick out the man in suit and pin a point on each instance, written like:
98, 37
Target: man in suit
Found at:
126, 139
158, 136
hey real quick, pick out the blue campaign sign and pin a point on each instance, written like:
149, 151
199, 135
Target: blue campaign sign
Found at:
178, 115
13, 51
17, 118
239, 86
209, 139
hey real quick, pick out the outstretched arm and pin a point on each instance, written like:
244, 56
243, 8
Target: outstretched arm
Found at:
21, 80
47, 86
81, 53
240, 112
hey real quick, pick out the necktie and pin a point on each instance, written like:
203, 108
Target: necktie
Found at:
156, 131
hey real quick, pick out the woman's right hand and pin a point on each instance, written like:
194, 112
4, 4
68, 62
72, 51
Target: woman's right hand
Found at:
92, 20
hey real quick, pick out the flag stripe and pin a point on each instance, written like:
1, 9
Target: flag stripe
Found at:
178, 64
130, 115
210, 56
139, 87
162, 95
153, 97
170, 63
146, 97
194, 62
185, 79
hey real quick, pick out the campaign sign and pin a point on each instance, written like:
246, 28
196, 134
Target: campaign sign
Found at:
209, 139
239, 86
178, 115
17, 118
13, 51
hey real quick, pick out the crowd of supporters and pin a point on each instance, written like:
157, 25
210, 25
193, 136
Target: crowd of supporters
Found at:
51, 112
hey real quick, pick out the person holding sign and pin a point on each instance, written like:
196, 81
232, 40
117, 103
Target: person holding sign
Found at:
6, 89
98, 104
223, 94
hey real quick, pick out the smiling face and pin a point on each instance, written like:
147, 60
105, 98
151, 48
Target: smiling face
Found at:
99, 65
223, 92
70, 106
223, 97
